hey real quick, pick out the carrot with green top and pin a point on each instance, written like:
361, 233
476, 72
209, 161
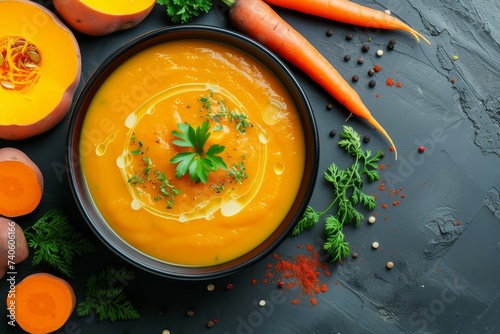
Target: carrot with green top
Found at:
259, 21
348, 12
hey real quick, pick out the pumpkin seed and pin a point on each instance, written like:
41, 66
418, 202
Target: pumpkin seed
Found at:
18, 49
29, 66
19, 42
34, 56
7, 84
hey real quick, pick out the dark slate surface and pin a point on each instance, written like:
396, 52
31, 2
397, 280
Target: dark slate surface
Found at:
443, 237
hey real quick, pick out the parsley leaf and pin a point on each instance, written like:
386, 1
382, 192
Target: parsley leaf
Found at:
182, 11
347, 185
197, 162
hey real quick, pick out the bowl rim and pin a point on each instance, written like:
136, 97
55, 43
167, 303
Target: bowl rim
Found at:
76, 178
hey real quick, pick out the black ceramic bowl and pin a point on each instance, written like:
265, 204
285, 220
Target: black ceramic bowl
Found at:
85, 202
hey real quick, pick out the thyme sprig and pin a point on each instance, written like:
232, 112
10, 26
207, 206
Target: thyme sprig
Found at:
347, 187
55, 242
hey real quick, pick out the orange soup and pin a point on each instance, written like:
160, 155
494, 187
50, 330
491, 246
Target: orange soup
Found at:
139, 123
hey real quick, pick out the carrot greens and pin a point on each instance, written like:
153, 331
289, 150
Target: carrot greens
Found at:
106, 296
55, 242
197, 163
347, 187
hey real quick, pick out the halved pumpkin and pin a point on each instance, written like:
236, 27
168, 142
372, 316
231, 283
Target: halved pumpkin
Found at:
40, 69
102, 17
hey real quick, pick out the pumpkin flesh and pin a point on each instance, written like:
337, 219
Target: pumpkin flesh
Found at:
98, 18
43, 104
125, 7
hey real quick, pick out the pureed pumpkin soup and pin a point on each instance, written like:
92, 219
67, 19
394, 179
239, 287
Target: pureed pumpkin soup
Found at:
193, 152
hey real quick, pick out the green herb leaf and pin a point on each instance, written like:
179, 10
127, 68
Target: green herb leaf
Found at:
308, 220
182, 11
55, 242
197, 163
105, 295
347, 185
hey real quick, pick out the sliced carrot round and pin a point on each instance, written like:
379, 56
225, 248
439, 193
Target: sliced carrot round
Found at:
20, 190
43, 303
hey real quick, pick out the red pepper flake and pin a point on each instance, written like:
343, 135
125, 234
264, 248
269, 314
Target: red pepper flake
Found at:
295, 301
399, 84
254, 281
384, 206
377, 95
396, 203
229, 286
458, 222
303, 271
313, 301
391, 148
389, 82
377, 68
381, 167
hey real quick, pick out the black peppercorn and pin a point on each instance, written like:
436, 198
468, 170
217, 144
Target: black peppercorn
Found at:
366, 139
329, 106
333, 133
355, 78
347, 58
372, 83
348, 36
329, 33
371, 72
361, 60
365, 48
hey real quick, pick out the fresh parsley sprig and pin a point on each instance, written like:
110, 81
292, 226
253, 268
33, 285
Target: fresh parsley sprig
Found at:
105, 295
182, 11
55, 242
197, 162
347, 187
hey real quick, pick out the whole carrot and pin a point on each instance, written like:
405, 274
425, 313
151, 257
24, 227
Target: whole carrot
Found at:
259, 21
348, 12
